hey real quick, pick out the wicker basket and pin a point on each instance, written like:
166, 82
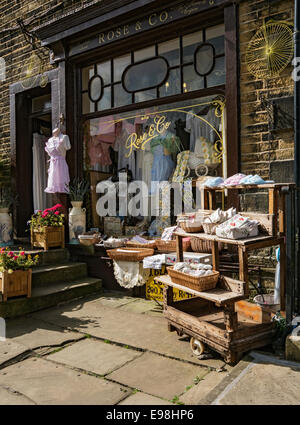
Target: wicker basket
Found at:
88, 240
170, 246
201, 283
201, 246
132, 244
130, 254
189, 227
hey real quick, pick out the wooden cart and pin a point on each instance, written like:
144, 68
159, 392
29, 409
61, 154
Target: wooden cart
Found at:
210, 318
214, 317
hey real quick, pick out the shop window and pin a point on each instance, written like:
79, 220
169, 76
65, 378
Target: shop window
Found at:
152, 73
181, 65
95, 88
204, 59
147, 141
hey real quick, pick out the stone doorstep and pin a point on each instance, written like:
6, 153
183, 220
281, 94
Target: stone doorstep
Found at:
50, 296
45, 275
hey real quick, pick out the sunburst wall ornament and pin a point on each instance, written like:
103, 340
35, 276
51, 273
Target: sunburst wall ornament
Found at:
270, 50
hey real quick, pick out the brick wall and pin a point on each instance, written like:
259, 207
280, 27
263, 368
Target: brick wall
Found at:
15, 50
259, 146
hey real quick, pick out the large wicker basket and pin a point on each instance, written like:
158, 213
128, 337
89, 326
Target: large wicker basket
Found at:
202, 283
170, 246
189, 227
130, 254
199, 245
132, 244
204, 247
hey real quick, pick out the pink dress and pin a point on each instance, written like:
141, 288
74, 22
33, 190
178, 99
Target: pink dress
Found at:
58, 173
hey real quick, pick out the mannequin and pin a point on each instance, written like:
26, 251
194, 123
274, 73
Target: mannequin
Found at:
58, 173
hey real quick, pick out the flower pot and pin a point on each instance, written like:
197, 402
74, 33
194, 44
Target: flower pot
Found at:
6, 228
48, 237
77, 221
15, 284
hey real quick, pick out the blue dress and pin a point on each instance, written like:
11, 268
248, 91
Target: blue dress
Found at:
162, 167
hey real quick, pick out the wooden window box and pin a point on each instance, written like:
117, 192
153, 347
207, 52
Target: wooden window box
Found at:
48, 237
15, 284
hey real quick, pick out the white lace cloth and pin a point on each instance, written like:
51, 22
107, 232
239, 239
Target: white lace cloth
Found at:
130, 274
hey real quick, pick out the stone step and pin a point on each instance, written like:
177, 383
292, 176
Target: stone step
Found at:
54, 273
52, 256
44, 297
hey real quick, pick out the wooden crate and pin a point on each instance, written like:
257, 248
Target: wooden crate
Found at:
48, 237
15, 284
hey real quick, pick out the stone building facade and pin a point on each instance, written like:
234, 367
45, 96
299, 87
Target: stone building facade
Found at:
263, 151
264, 148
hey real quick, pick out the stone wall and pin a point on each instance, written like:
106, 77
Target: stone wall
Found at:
263, 151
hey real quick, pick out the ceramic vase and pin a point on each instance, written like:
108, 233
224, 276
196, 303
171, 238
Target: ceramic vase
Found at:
77, 221
6, 228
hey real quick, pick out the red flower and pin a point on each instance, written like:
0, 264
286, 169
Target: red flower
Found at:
10, 254
22, 254
16, 257
45, 214
57, 213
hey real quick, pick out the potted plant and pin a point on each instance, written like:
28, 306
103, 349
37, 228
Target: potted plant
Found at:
47, 228
15, 273
77, 215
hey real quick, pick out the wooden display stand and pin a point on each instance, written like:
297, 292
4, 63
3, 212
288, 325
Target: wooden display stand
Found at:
212, 317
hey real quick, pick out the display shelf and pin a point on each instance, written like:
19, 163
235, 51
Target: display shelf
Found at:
219, 296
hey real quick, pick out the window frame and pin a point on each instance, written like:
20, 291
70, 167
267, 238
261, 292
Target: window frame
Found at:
181, 66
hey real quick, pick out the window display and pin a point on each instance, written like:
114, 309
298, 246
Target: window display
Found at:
163, 143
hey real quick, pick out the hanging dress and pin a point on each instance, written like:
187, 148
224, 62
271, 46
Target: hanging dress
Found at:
39, 178
58, 173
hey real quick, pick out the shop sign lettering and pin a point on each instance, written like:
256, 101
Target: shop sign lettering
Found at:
157, 128
148, 22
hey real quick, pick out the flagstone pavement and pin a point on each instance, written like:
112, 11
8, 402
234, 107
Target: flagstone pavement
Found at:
116, 350
110, 350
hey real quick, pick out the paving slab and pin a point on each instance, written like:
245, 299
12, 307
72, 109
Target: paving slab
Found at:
136, 330
114, 300
142, 306
33, 333
45, 383
158, 375
9, 398
204, 387
94, 356
10, 350
258, 380
141, 399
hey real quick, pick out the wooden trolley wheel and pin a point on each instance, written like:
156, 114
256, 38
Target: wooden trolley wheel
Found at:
197, 347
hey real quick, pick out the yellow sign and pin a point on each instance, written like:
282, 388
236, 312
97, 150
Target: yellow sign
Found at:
157, 128
155, 290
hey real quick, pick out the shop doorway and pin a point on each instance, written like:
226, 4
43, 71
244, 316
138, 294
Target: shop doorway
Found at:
33, 129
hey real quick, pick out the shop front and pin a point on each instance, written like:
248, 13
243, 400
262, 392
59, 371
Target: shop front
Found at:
153, 84
151, 93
